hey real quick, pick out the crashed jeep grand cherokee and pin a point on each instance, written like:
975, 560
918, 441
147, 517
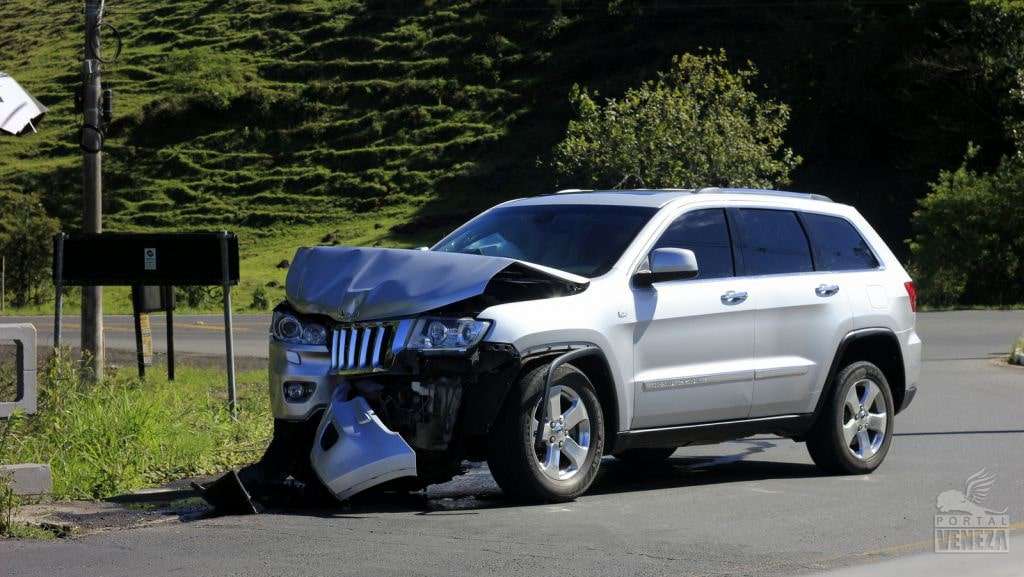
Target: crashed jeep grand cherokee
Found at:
552, 330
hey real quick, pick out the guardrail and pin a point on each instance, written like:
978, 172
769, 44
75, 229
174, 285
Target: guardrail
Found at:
23, 335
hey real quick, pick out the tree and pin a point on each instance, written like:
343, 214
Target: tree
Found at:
698, 124
26, 241
967, 245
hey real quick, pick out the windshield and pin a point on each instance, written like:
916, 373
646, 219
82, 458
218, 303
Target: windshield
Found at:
577, 238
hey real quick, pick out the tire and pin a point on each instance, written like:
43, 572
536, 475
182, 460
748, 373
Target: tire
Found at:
515, 457
845, 440
646, 456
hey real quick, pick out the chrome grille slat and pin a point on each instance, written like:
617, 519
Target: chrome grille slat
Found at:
377, 346
335, 340
353, 337
366, 347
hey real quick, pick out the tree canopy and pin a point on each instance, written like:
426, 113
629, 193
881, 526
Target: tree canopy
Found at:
698, 124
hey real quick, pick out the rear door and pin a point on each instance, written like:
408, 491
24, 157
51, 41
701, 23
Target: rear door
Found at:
694, 338
802, 313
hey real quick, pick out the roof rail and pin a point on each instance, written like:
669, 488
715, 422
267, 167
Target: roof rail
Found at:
572, 190
754, 191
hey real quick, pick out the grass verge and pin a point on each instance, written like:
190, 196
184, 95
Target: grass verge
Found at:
126, 433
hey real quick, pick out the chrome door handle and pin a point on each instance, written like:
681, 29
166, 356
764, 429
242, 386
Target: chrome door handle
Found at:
826, 290
734, 297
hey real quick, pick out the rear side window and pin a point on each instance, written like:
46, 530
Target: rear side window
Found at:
837, 244
706, 233
772, 242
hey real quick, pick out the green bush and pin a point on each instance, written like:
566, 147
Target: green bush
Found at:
967, 243
699, 124
197, 297
26, 241
126, 433
260, 300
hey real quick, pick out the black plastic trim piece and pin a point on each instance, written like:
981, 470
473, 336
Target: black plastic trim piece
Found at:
908, 397
785, 425
834, 368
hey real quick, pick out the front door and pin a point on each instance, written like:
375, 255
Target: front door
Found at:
694, 338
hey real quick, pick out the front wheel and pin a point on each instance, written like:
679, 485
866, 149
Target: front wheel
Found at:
563, 465
854, 431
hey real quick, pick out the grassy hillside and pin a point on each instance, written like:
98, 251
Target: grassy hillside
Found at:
389, 121
289, 122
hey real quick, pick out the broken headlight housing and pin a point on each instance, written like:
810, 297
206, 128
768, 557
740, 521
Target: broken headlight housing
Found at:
288, 328
446, 334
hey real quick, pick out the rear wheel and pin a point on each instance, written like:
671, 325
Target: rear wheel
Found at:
563, 465
646, 456
854, 431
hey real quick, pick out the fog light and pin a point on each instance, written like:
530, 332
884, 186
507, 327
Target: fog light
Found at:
298, 392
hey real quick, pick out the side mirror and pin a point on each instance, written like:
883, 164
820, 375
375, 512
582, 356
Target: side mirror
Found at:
668, 264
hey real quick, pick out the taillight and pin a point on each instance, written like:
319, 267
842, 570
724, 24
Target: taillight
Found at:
912, 293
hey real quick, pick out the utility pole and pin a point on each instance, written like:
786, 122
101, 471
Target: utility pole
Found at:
92, 180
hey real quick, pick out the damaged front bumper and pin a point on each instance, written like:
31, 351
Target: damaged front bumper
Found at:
353, 450
419, 418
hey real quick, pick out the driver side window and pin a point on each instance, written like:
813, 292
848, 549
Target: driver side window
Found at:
706, 233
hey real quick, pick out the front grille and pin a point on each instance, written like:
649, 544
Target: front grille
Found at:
366, 347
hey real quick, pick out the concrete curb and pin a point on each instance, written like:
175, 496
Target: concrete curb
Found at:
28, 479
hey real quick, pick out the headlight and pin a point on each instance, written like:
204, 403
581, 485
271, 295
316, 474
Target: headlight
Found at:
446, 334
289, 329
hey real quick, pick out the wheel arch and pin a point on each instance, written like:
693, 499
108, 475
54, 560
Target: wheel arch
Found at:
593, 364
877, 345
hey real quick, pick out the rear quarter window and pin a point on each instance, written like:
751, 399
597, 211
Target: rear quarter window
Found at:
837, 244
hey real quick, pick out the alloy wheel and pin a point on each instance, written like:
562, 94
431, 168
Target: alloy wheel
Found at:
865, 415
566, 439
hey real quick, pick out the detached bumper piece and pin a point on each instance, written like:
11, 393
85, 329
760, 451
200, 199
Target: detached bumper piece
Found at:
353, 450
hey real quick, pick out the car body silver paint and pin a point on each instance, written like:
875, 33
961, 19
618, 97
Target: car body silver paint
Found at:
612, 315
615, 316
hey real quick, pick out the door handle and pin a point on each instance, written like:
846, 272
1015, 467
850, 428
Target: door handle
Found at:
733, 297
826, 290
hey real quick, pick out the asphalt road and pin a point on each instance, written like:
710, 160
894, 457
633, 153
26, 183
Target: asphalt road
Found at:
193, 334
751, 507
950, 335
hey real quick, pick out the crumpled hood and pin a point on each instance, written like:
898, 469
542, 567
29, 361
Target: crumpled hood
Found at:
360, 284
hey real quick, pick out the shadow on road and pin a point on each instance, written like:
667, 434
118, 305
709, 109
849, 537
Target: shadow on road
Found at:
943, 433
477, 491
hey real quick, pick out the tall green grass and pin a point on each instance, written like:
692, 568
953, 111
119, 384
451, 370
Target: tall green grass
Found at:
125, 433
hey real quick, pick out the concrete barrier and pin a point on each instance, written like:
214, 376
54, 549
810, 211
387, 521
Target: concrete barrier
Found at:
23, 335
29, 478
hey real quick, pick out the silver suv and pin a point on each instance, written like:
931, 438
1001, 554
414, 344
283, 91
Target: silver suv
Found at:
550, 331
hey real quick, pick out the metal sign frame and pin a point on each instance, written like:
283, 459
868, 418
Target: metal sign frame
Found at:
160, 259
